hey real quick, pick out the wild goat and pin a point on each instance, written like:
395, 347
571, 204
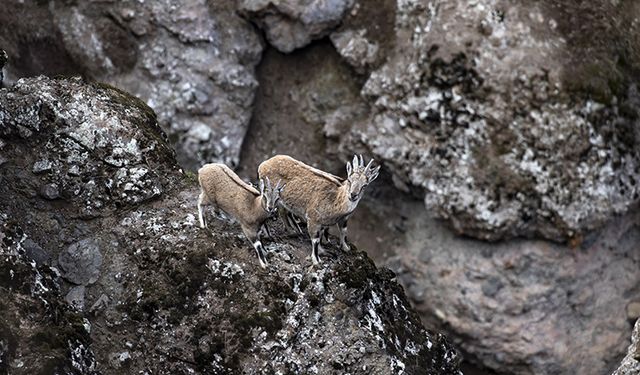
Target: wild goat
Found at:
224, 190
318, 197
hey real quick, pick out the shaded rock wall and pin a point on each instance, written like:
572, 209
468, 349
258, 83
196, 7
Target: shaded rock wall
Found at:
191, 62
167, 296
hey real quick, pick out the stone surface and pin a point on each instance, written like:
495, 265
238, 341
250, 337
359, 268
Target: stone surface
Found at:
171, 297
98, 155
355, 48
502, 302
192, 62
490, 108
75, 297
291, 24
631, 363
81, 262
302, 113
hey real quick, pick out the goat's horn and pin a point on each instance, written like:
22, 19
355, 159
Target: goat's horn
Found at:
369, 165
355, 161
361, 161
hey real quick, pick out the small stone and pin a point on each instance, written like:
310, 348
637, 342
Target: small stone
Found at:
492, 286
35, 252
50, 191
75, 297
81, 262
41, 166
633, 310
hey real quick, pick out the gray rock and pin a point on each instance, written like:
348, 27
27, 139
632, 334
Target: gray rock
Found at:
50, 191
191, 61
355, 48
631, 363
126, 147
501, 139
81, 262
41, 166
291, 24
36, 253
501, 302
75, 297
189, 300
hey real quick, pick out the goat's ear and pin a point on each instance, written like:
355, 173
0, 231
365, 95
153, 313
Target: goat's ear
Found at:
355, 162
349, 169
261, 186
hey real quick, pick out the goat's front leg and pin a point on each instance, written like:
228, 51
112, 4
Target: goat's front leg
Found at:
315, 230
202, 201
325, 237
254, 237
265, 229
342, 226
293, 223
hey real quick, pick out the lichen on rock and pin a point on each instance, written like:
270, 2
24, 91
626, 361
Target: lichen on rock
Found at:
500, 143
164, 295
291, 24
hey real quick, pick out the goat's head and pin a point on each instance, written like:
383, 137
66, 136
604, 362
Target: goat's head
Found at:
270, 195
359, 176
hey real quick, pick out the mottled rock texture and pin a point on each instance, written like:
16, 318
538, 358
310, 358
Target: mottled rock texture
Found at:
291, 24
192, 62
168, 296
503, 302
631, 363
493, 110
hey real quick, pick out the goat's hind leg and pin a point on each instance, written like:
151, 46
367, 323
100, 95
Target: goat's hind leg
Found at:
315, 232
324, 239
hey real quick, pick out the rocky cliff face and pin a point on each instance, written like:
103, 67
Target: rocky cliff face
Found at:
504, 119
104, 269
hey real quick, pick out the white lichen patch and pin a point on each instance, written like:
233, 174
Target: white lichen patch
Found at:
226, 270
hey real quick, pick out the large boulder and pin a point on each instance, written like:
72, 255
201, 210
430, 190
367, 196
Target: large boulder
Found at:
523, 306
85, 143
166, 296
492, 109
192, 62
291, 24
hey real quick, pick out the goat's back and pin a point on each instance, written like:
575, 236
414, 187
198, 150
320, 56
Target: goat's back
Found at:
219, 182
306, 188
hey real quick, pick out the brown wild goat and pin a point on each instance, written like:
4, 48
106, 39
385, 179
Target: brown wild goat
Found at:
224, 190
318, 197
